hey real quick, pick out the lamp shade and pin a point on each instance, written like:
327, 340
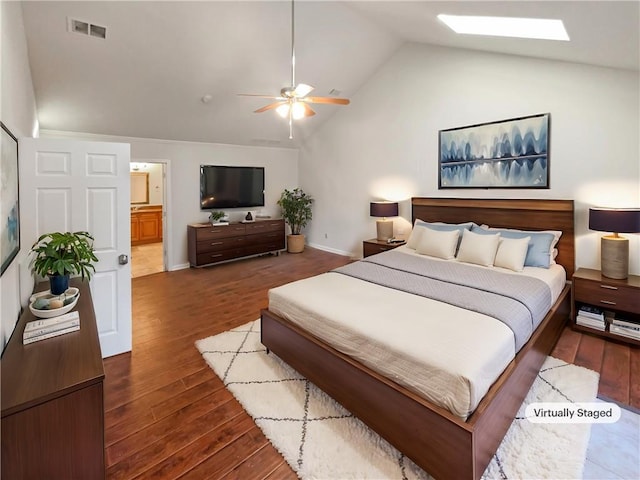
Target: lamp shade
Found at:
616, 220
383, 209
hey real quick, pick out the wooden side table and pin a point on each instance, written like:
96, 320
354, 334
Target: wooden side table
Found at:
373, 246
53, 401
621, 297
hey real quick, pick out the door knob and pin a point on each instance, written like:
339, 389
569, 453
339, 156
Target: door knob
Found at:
123, 259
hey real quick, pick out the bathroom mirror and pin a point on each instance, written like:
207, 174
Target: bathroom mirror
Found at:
139, 188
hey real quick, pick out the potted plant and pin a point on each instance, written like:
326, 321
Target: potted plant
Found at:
59, 255
296, 211
216, 217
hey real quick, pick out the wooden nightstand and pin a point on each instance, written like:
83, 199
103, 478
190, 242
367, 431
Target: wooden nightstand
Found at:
373, 246
621, 297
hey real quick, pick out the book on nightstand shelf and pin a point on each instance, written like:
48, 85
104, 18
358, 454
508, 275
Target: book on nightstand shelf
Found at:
591, 322
591, 312
625, 327
50, 327
631, 332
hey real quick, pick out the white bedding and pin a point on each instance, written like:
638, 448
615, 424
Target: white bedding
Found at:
446, 354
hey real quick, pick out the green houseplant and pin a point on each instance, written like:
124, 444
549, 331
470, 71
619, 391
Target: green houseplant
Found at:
216, 216
59, 255
296, 211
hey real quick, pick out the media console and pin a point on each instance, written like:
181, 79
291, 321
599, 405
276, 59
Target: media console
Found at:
209, 244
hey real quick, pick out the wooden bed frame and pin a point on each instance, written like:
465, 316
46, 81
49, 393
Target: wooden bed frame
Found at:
442, 444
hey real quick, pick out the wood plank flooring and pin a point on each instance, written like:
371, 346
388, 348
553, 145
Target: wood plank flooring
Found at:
167, 415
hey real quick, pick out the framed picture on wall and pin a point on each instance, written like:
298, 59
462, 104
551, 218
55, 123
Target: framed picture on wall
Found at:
510, 153
9, 199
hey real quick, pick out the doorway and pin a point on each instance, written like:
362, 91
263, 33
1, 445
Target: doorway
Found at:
148, 214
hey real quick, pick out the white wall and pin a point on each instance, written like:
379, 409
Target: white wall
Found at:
184, 159
385, 144
18, 113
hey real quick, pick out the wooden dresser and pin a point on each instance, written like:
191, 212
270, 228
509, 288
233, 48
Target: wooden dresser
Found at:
209, 244
52, 401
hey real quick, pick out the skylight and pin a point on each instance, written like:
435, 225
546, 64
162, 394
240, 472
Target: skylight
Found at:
538, 28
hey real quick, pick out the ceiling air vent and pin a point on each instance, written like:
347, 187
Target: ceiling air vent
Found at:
86, 28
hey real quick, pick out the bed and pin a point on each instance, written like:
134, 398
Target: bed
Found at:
445, 444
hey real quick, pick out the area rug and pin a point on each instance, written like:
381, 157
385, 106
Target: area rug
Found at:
319, 439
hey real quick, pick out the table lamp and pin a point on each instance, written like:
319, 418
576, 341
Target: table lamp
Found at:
614, 249
384, 227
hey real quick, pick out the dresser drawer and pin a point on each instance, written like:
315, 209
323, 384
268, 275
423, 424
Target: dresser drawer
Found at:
220, 243
264, 226
221, 231
213, 257
607, 295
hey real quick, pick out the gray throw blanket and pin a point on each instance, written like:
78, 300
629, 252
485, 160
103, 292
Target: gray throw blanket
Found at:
518, 301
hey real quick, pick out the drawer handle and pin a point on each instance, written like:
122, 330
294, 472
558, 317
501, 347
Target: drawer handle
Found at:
215, 231
216, 243
610, 287
607, 302
216, 255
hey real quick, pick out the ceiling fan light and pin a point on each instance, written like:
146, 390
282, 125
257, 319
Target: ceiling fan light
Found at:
297, 111
283, 110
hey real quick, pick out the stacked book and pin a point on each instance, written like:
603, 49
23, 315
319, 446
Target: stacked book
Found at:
591, 317
625, 328
50, 327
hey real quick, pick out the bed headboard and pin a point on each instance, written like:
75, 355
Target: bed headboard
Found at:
523, 214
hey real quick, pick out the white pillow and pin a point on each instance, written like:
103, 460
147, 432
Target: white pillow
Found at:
414, 238
477, 248
440, 244
418, 225
511, 253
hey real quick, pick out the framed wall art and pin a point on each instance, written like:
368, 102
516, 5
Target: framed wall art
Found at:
510, 153
9, 199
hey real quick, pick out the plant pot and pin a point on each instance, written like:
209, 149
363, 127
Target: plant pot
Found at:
295, 243
58, 284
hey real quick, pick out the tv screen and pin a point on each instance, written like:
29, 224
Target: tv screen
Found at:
231, 187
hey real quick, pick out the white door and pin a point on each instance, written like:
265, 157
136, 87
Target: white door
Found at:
69, 185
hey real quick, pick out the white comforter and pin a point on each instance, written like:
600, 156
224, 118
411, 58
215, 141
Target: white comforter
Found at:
446, 354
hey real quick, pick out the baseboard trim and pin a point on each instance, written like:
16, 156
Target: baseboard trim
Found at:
332, 250
181, 266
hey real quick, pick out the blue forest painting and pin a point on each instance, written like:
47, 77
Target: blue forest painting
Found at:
9, 200
505, 154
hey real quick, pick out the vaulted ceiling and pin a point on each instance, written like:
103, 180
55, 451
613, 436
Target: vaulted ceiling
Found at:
159, 59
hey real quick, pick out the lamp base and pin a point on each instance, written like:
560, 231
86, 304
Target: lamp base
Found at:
384, 229
614, 257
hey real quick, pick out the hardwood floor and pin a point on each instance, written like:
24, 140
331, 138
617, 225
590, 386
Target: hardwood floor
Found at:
167, 415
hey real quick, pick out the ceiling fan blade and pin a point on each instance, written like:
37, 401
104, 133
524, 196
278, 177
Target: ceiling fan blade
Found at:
260, 96
271, 106
302, 90
336, 101
308, 111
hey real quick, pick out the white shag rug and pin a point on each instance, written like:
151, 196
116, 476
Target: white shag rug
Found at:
322, 440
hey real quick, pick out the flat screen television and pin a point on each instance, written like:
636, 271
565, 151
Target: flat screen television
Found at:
231, 187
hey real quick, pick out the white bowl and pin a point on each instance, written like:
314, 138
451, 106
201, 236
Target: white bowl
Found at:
68, 293
54, 312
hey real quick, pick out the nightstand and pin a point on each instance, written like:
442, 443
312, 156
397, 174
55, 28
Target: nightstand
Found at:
373, 246
620, 298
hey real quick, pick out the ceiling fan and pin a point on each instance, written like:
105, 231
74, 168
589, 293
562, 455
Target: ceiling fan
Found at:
293, 102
